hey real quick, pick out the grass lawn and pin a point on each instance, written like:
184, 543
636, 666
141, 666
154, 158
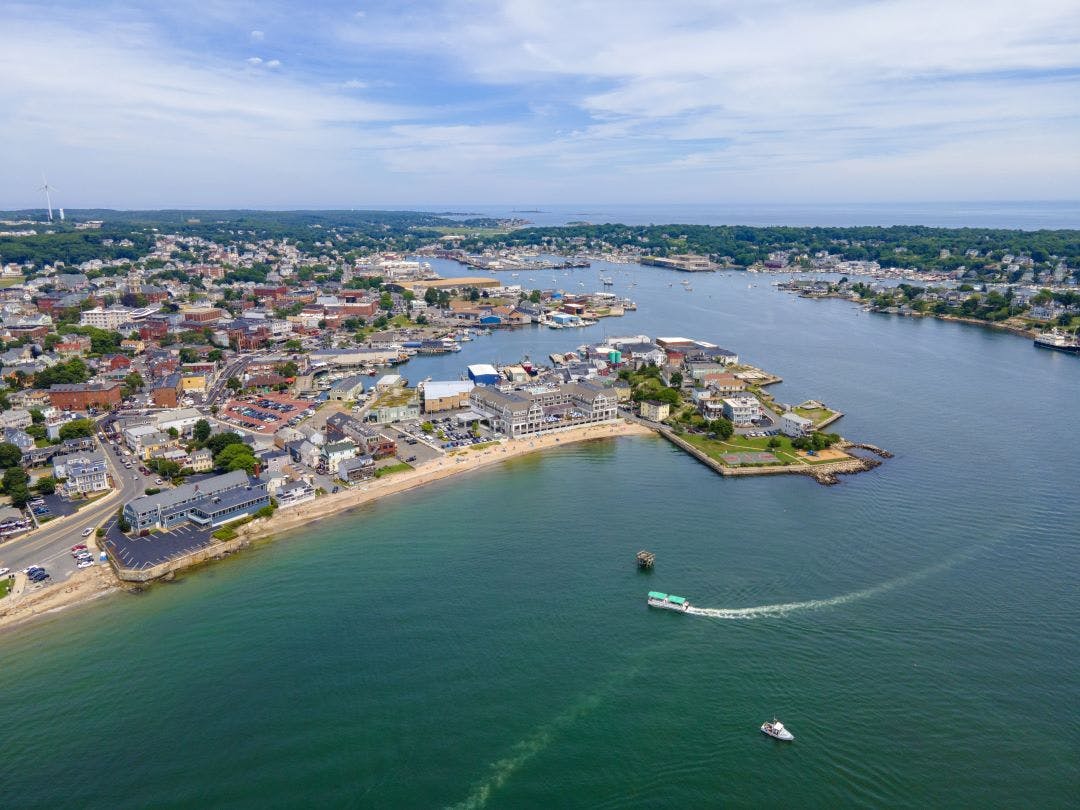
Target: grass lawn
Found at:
481, 445
390, 469
717, 448
815, 415
5, 586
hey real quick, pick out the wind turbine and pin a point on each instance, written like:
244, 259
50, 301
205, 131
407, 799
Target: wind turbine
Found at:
48, 199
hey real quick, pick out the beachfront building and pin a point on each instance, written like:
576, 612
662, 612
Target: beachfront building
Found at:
209, 503
742, 410
539, 410
295, 493
793, 425
655, 411
356, 469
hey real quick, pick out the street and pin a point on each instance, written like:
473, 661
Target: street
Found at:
50, 546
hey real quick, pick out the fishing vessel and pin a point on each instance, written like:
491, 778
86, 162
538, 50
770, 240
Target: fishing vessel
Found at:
668, 601
776, 730
1058, 340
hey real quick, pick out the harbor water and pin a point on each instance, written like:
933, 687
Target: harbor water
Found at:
485, 642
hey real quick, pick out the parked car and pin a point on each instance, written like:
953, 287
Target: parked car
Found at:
158, 481
87, 532
80, 547
4, 571
85, 563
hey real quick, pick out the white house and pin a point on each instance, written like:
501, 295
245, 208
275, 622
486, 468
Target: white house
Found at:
742, 410
793, 425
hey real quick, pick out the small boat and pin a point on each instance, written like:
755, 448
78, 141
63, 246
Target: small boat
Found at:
776, 730
667, 601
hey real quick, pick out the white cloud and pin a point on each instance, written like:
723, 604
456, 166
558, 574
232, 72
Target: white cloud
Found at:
254, 60
257, 36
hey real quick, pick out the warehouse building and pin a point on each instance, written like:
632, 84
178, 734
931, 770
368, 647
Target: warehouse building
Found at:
446, 396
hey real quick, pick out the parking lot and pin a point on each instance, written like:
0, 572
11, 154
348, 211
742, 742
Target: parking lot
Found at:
158, 547
456, 435
265, 414
422, 451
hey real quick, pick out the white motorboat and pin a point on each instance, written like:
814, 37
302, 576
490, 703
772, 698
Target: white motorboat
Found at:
776, 730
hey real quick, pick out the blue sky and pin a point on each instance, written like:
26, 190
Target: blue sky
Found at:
365, 104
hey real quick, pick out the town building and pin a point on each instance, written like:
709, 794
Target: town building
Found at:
208, 503
446, 396
655, 411
348, 389
528, 412
201, 460
742, 410
81, 396
395, 405
794, 425
356, 469
168, 391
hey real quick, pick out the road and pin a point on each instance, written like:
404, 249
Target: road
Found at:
50, 546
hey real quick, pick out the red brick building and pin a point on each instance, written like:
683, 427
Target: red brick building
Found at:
166, 393
80, 396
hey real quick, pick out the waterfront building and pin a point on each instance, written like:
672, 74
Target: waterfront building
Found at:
794, 425
655, 411
356, 469
483, 374
529, 412
742, 410
209, 503
350, 388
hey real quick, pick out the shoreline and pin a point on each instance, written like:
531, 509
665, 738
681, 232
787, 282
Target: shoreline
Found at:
101, 580
1003, 326
94, 583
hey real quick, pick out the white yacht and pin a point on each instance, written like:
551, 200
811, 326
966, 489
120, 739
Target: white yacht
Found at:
776, 730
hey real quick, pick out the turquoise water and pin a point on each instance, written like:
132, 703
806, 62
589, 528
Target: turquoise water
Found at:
484, 642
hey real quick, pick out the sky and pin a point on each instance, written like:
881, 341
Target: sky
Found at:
272, 104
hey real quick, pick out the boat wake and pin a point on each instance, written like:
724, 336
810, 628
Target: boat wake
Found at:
501, 770
772, 611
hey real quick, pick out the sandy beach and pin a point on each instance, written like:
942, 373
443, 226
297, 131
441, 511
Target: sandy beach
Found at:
463, 461
28, 602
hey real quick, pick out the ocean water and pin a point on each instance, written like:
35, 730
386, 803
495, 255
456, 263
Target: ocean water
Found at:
1009, 214
485, 642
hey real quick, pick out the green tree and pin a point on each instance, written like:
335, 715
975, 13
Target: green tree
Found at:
201, 431
46, 485
77, 429
722, 428
386, 301
14, 477
121, 521
534, 296
236, 457
676, 379
10, 455
219, 441
132, 382
37, 416
234, 384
